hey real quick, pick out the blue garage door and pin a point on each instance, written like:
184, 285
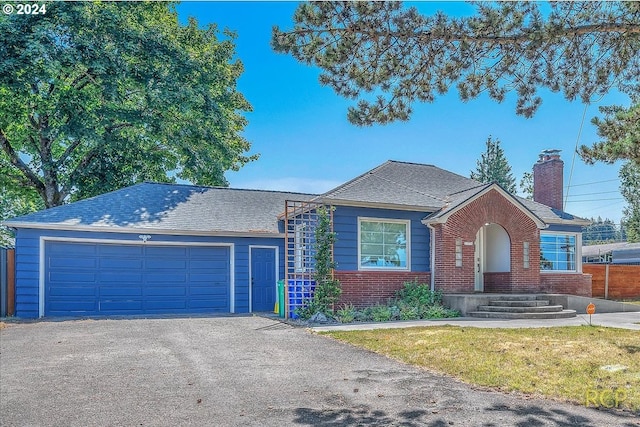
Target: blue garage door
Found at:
88, 279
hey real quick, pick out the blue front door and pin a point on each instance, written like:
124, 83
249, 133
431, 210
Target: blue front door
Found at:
263, 279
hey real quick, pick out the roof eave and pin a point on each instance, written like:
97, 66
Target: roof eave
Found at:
378, 205
146, 230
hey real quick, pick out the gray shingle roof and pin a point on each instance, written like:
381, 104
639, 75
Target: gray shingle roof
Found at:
171, 207
402, 183
176, 208
427, 187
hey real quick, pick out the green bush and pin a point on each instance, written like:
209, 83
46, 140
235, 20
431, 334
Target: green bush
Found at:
416, 294
346, 314
413, 302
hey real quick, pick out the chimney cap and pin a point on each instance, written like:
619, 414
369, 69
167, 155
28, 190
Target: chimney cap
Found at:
549, 154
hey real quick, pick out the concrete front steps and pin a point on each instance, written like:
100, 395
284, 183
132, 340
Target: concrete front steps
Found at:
521, 307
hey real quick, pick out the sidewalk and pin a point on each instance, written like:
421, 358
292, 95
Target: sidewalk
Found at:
628, 320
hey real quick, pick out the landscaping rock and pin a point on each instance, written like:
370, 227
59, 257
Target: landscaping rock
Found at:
318, 318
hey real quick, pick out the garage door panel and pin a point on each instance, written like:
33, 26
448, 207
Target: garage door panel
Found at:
73, 262
166, 251
120, 291
122, 251
109, 279
208, 278
73, 291
165, 291
165, 264
167, 278
165, 304
67, 276
120, 263
72, 306
72, 250
218, 291
121, 304
217, 305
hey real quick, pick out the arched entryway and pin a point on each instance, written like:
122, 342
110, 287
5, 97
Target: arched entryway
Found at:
492, 255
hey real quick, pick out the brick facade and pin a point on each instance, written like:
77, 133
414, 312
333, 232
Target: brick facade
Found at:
365, 288
567, 283
493, 208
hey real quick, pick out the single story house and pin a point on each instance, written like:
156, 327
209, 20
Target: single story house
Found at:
165, 248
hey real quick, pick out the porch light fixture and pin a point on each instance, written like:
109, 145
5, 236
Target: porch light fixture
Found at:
144, 237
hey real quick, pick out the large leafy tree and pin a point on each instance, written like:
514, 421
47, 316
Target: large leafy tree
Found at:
387, 57
494, 167
95, 96
630, 189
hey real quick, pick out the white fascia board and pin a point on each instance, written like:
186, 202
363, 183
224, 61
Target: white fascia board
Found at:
374, 205
103, 229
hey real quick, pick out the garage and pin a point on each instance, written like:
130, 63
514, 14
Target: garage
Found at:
97, 278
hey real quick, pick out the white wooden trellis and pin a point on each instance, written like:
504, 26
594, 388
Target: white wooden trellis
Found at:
301, 219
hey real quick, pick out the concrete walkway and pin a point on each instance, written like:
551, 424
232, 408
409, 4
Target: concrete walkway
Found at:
628, 320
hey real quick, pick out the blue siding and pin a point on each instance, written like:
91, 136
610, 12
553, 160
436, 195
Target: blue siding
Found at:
28, 260
345, 224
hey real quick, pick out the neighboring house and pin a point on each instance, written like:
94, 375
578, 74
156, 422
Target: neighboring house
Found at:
613, 253
162, 248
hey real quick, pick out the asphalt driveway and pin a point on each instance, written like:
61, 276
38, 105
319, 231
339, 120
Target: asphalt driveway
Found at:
238, 371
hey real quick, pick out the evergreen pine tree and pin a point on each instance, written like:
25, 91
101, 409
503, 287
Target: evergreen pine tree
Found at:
494, 167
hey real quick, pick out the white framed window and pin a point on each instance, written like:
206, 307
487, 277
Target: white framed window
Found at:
384, 244
559, 251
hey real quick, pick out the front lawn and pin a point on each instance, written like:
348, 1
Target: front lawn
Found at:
588, 365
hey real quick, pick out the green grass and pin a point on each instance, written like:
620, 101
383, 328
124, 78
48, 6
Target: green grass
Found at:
564, 363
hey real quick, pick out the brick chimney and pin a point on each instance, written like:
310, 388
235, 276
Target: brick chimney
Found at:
547, 179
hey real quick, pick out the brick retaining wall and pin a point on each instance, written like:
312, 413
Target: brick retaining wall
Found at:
366, 288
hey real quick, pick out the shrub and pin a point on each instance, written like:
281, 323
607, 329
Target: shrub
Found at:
346, 314
416, 294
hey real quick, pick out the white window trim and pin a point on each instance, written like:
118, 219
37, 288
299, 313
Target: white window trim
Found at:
407, 222
578, 254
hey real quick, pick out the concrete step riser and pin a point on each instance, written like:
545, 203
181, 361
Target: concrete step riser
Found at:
519, 297
535, 303
502, 309
564, 314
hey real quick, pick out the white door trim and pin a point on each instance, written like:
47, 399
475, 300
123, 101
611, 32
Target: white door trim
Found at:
478, 261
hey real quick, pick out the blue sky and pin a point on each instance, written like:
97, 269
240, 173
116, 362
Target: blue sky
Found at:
306, 144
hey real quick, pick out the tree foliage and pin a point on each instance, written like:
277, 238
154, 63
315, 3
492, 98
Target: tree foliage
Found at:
526, 185
601, 231
494, 167
95, 96
388, 57
630, 189
620, 133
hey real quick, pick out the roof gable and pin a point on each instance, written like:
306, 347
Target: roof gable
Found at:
463, 198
